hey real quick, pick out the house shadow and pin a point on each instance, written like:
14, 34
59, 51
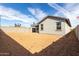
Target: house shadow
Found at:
67, 45
9, 47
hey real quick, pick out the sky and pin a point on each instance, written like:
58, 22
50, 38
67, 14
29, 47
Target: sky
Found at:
28, 13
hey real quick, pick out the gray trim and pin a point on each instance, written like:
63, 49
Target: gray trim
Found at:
56, 18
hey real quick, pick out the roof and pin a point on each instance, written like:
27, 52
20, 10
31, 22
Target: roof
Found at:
56, 18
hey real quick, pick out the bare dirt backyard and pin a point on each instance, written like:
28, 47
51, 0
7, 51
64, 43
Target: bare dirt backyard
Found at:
33, 42
21, 41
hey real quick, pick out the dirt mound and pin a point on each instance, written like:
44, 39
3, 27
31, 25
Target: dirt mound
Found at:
10, 47
68, 45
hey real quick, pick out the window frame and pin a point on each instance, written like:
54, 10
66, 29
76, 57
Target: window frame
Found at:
42, 27
58, 26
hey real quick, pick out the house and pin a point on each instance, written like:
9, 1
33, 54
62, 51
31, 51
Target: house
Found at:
53, 25
17, 25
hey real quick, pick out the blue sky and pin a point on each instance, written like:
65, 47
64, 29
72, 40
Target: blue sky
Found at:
27, 13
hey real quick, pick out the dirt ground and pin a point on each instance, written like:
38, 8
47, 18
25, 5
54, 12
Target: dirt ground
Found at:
68, 45
22, 42
33, 42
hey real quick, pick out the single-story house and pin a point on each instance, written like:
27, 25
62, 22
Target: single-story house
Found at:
52, 25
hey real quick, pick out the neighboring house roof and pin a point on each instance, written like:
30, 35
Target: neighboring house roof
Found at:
56, 18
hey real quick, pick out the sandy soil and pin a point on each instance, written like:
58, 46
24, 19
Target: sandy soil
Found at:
67, 45
33, 42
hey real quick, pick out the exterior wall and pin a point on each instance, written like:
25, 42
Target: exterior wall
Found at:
67, 28
49, 27
77, 31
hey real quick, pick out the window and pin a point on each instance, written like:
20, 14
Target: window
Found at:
58, 25
41, 26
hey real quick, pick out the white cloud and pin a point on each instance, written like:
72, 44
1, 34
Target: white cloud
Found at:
38, 13
11, 14
69, 10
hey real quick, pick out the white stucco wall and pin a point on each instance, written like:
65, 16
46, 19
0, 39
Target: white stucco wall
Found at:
67, 28
50, 27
